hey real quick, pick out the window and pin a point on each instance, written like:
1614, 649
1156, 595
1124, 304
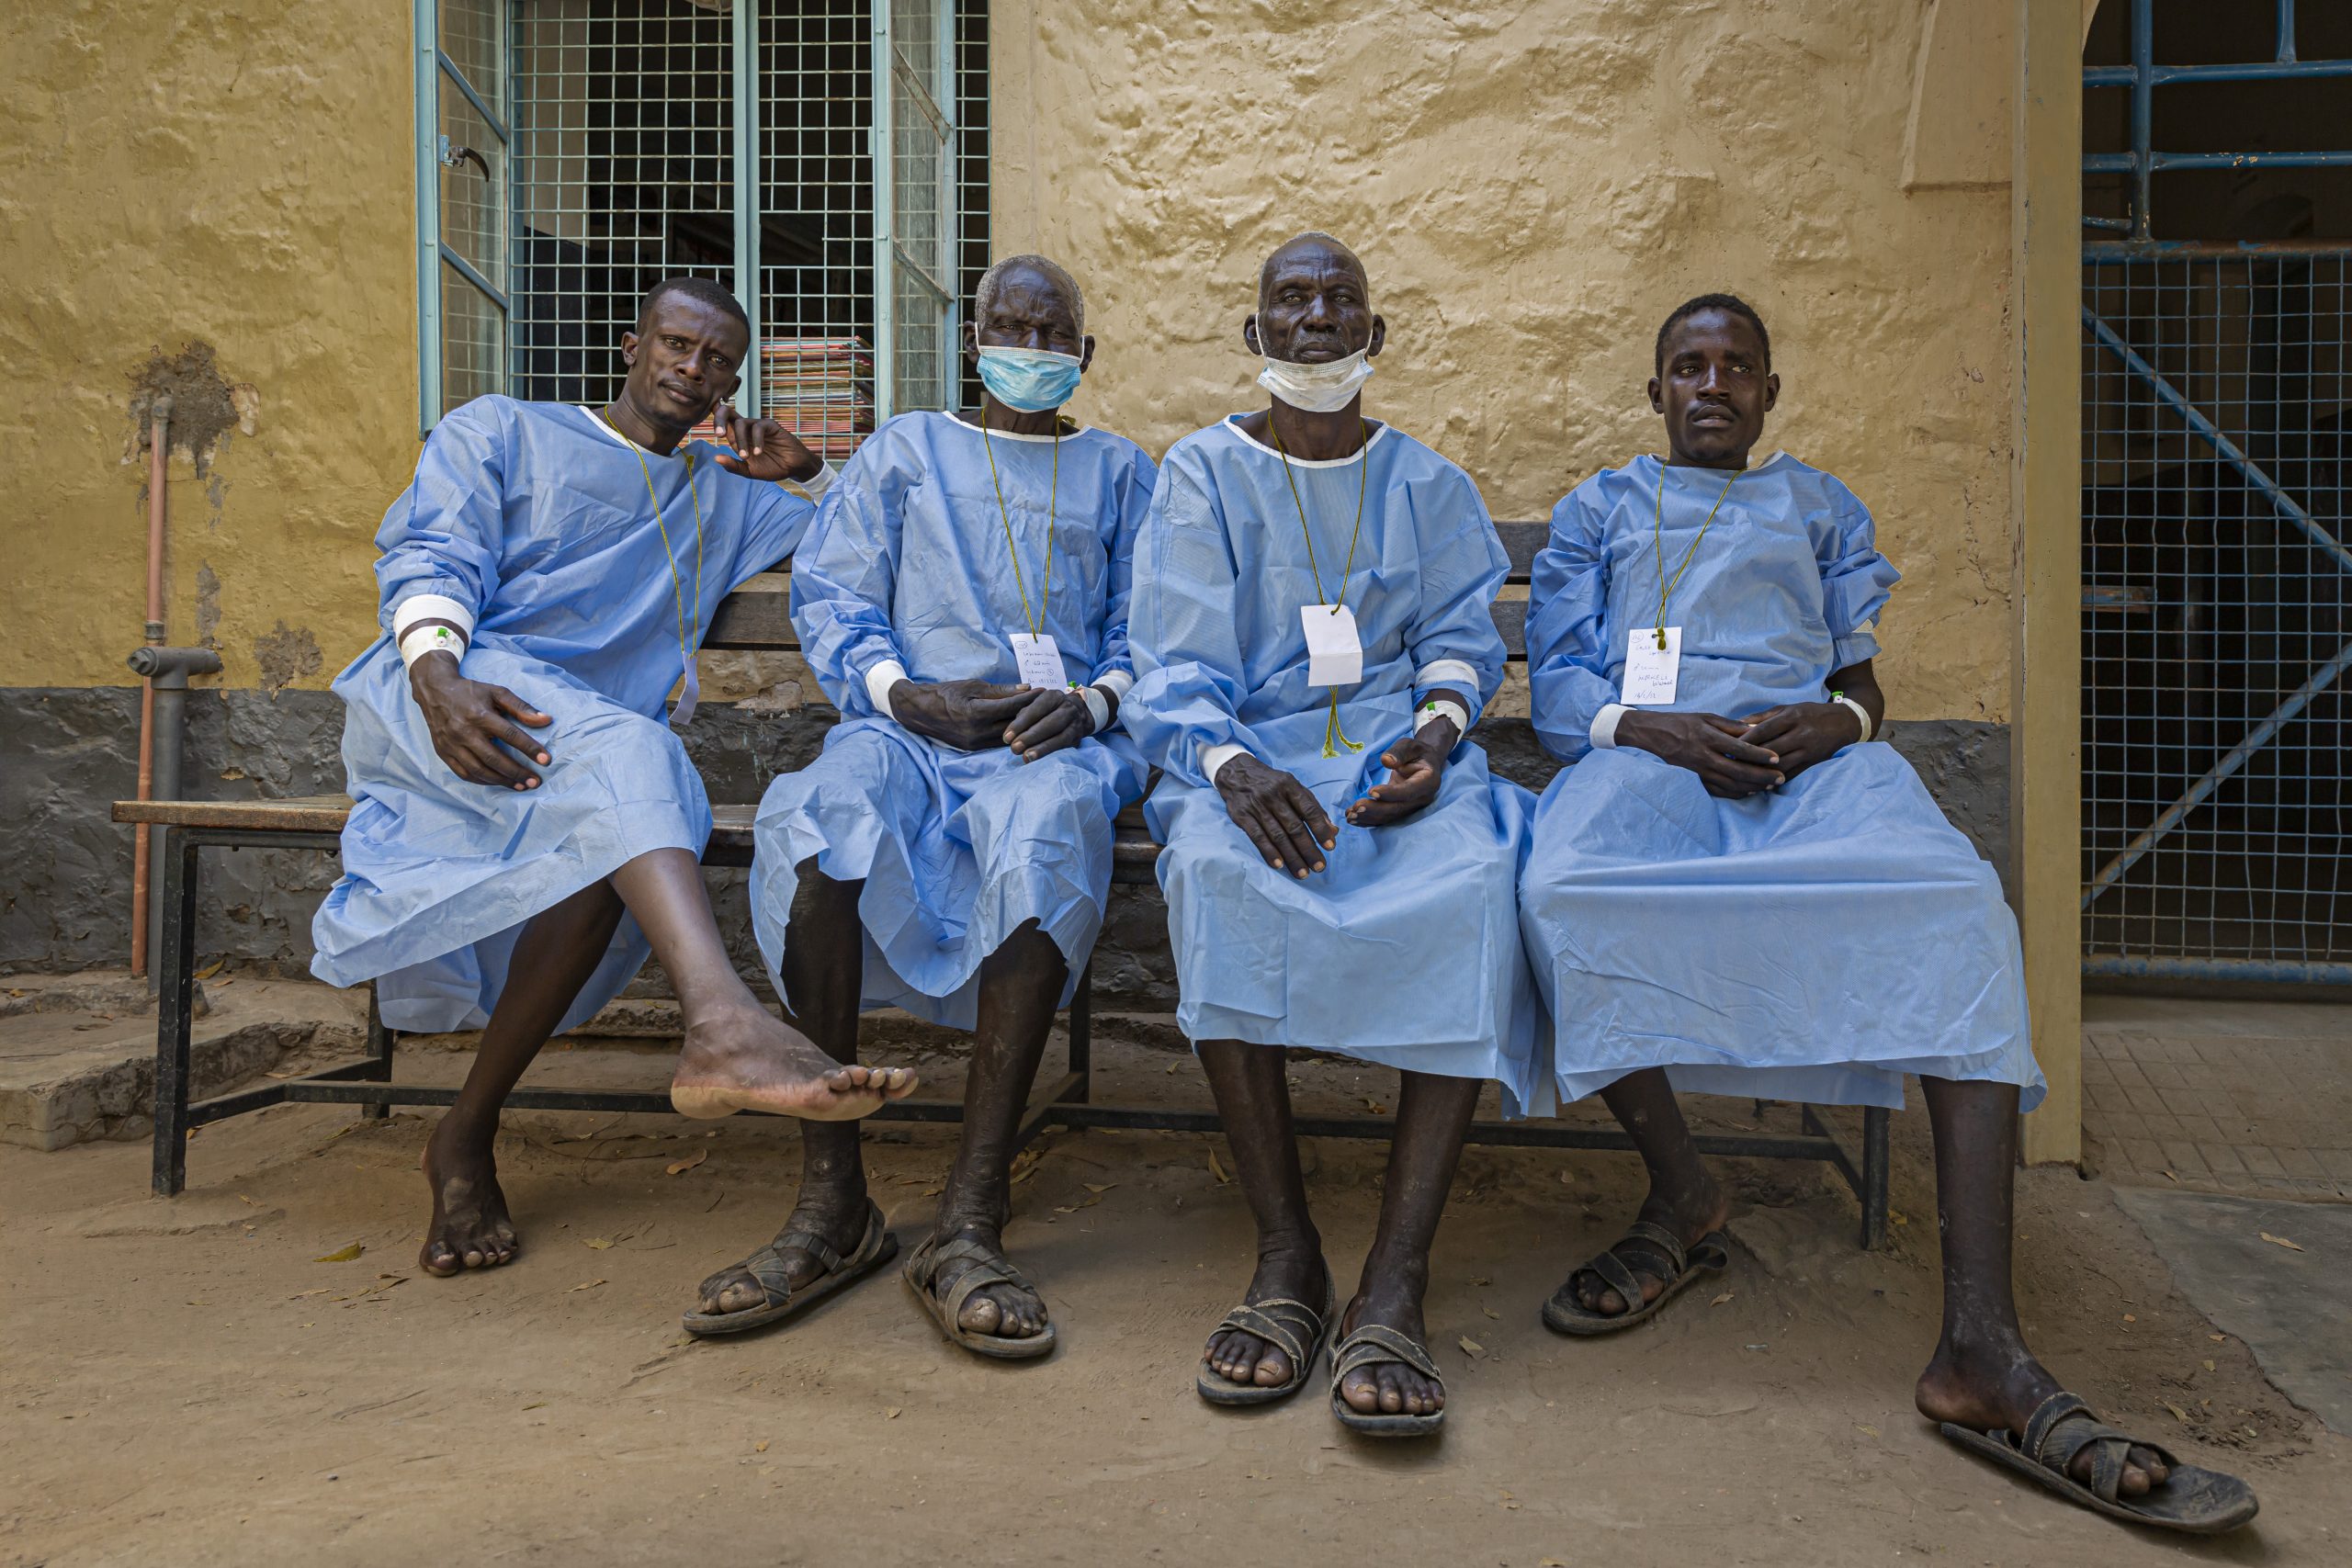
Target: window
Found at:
572, 153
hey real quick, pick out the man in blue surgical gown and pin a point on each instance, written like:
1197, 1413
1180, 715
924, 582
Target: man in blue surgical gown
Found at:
1314, 635
524, 826
1736, 889
963, 599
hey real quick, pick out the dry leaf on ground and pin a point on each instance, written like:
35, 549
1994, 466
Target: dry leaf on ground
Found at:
343, 1254
1471, 1347
2177, 1412
689, 1163
2280, 1241
1720, 1300
598, 1243
1217, 1168
589, 1286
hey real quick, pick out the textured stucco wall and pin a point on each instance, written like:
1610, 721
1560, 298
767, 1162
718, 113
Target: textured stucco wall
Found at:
217, 198
1534, 184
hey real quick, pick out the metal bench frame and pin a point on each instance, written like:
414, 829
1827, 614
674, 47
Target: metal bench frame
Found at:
755, 619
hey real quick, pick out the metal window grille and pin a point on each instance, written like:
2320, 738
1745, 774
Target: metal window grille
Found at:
2217, 590
728, 139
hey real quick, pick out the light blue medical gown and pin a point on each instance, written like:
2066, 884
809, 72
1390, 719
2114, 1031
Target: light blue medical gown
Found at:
1405, 950
1813, 942
535, 516
957, 849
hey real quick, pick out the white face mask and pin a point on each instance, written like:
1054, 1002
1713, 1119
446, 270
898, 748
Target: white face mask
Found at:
1318, 388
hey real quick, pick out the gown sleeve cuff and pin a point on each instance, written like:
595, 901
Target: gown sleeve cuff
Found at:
1459, 674
1216, 757
879, 682
1603, 733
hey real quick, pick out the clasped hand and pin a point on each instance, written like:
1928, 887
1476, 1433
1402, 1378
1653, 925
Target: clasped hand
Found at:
472, 723
974, 716
1416, 768
1738, 757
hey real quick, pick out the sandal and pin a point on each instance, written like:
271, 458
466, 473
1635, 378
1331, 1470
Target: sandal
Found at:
767, 1267
1659, 1252
1375, 1345
1288, 1325
2194, 1501
921, 1273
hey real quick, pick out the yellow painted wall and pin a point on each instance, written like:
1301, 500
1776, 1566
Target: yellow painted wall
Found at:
231, 174
1534, 184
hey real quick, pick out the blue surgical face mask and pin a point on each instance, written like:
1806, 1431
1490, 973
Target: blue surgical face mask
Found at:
1030, 379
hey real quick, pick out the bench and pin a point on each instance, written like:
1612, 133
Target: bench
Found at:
755, 618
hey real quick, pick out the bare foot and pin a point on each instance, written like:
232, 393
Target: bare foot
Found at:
469, 1227
1004, 1310
1294, 1272
1689, 1215
1995, 1383
1390, 1388
747, 1059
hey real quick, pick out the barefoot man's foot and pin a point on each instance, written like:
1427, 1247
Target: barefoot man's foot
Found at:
749, 1060
1992, 1388
469, 1227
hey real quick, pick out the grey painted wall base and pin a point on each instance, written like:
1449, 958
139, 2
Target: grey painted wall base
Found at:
71, 752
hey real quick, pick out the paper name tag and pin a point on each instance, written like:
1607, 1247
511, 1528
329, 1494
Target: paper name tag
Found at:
1334, 656
1650, 670
684, 714
1040, 661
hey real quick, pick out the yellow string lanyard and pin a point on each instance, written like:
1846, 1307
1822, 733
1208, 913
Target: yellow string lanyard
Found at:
1052, 513
1657, 538
677, 585
1333, 736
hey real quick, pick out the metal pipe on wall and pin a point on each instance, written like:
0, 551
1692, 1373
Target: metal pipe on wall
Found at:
159, 447
167, 669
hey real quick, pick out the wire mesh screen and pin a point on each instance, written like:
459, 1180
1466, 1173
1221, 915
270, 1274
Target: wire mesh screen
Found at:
817, 221
971, 169
2215, 614
624, 176
922, 177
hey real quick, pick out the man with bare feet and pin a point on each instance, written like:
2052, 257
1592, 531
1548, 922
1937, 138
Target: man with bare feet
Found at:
1736, 891
1314, 637
963, 600
524, 826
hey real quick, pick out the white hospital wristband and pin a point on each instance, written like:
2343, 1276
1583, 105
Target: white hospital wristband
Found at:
815, 486
1860, 712
1451, 710
879, 682
1603, 733
431, 607
1098, 704
423, 640
1214, 759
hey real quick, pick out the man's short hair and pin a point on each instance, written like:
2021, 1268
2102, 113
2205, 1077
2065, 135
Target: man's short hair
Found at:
1731, 305
1266, 268
1054, 273
701, 289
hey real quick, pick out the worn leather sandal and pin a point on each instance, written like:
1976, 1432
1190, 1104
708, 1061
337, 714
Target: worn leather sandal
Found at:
1371, 1346
921, 1273
2194, 1501
1288, 1325
766, 1267
1644, 1247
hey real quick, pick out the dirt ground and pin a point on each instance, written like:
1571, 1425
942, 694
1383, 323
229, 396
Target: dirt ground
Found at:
195, 1382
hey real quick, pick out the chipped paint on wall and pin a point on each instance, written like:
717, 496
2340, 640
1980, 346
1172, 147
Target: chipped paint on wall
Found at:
286, 655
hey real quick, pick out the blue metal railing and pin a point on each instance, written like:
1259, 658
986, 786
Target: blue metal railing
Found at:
2144, 76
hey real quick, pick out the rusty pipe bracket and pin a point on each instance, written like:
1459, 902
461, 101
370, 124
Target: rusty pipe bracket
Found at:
169, 668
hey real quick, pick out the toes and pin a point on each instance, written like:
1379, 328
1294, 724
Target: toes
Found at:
980, 1315
1273, 1369
438, 1260
1361, 1391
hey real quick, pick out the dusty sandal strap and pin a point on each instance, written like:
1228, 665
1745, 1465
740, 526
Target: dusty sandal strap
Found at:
2064, 1425
1288, 1325
1374, 1345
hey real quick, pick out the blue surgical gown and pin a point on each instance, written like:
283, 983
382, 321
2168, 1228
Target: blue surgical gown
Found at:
1813, 942
909, 561
536, 517
1405, 949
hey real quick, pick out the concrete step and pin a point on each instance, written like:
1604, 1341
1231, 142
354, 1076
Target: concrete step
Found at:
77, 1052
